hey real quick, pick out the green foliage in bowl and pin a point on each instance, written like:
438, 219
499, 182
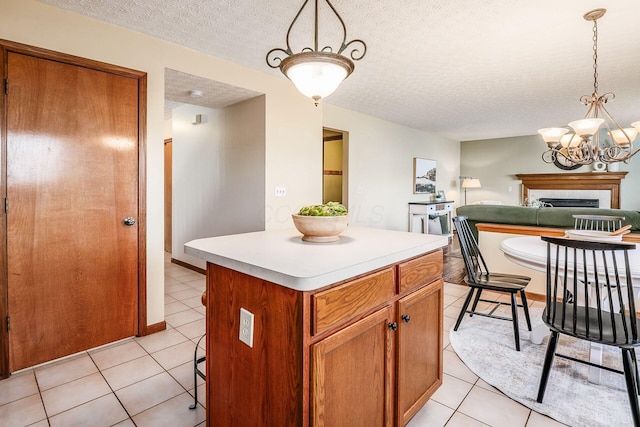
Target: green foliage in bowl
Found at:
328, 209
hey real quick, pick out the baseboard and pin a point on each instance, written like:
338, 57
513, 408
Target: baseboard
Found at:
532, 296
189, 266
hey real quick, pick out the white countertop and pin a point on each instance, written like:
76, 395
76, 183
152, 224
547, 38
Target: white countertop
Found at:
280, 256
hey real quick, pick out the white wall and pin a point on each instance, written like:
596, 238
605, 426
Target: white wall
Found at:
380, 166
496, 161
218, 173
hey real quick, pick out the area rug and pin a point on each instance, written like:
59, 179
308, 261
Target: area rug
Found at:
486, 346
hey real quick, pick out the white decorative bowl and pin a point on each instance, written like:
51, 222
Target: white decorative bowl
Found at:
320, 229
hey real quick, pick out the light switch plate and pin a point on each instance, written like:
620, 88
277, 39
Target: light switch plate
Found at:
246, 327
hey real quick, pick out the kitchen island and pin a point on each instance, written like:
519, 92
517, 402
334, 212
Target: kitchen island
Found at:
344, 333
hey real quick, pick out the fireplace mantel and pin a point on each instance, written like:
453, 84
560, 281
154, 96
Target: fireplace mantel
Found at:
574, 181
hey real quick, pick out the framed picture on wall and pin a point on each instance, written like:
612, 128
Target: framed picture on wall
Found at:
424, 176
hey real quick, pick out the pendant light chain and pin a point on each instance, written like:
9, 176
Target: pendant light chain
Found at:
595, 57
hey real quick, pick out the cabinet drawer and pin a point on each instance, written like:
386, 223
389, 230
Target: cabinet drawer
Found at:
419, 271
337, 305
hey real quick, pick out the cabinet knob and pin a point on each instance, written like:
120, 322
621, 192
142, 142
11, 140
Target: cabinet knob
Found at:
406, 318
393, 326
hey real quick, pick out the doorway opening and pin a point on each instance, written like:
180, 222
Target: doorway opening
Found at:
334, 166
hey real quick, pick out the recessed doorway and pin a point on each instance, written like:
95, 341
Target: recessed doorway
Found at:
334, 162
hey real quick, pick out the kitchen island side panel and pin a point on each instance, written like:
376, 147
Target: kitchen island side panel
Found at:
260, 385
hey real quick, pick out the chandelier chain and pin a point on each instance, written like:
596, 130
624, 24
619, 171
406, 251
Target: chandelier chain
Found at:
595, 57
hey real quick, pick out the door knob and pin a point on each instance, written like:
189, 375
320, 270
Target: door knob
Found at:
406, 318
393, 326
128, 221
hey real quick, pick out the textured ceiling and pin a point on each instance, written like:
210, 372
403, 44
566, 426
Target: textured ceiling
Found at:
178, 87
463, 68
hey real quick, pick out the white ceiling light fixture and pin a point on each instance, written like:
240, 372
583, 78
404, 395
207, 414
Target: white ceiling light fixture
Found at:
317, 72
196, 93
584, 145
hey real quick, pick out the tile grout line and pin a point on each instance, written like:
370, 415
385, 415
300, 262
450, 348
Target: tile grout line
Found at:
44, 408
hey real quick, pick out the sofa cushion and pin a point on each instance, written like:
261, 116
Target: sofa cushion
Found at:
501, 214
563, 217
543, 217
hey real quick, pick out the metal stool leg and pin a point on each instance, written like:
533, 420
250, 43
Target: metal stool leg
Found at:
197, 373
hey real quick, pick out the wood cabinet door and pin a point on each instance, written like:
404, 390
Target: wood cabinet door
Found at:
419, 348
72, 178
352, 374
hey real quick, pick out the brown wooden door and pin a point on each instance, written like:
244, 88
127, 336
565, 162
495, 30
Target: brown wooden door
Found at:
419, 349
352, 375
72, 177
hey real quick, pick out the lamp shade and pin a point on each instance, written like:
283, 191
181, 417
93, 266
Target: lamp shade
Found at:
624, 137
471, 183
586, 126
571, 140
316, 74
552, 136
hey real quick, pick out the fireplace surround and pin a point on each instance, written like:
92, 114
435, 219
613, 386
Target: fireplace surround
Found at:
603, 181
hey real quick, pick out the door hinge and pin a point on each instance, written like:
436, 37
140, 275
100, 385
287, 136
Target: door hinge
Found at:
6, 86
8, 323
6, 205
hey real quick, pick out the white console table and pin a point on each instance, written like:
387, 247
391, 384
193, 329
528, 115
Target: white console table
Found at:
419, 215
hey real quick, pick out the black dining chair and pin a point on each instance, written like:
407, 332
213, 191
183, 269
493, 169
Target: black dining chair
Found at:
479, 278
608, 318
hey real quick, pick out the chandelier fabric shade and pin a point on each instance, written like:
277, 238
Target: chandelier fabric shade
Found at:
585, 145
317, 72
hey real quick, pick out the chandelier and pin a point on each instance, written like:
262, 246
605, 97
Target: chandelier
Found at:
316, 72
583, 146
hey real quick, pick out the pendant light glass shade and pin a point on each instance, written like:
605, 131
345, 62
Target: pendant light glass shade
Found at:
316, 75
570, 141
623, 137
552, 136
586, 127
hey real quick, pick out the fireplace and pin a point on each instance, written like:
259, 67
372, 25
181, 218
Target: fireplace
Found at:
571, 203
579, 185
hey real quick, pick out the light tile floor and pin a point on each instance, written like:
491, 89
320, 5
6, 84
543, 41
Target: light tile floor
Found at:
148, 381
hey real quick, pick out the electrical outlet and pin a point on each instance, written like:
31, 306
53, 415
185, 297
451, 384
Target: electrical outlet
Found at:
509, 189
281, 191
246, 327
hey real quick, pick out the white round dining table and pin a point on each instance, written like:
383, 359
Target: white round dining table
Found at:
531, 252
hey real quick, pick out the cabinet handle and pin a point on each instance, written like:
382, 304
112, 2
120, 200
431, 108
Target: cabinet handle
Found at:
393, 326
406, 318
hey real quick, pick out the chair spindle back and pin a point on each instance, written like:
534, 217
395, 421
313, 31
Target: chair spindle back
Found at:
473, 260
600, 272
597, 222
